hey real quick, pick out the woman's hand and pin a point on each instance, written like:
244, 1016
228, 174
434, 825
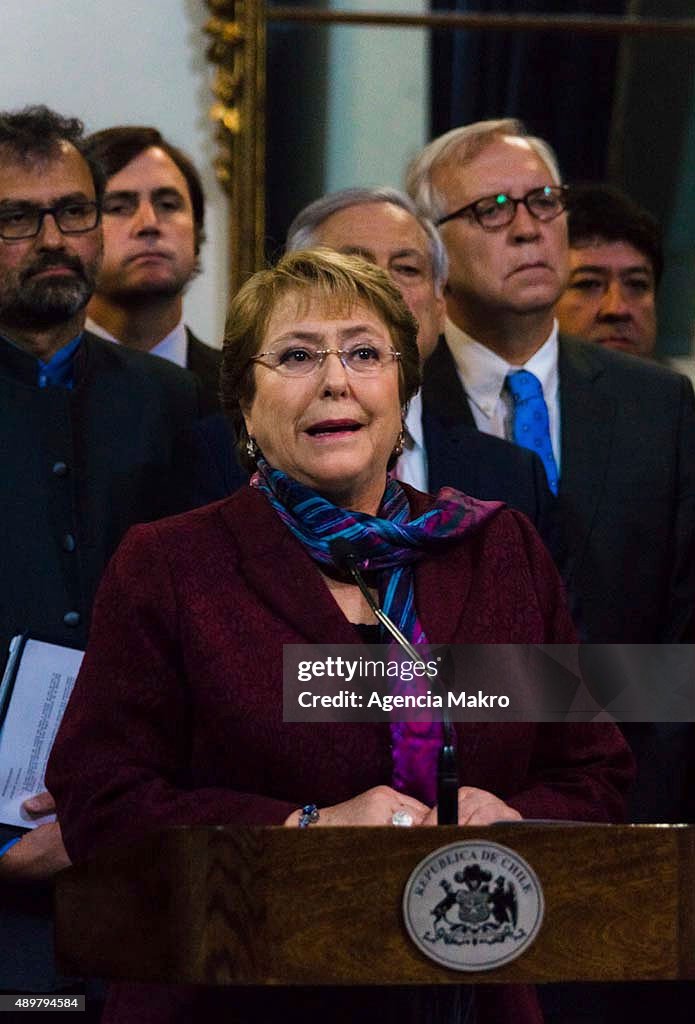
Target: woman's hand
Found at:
375, 807
478, 807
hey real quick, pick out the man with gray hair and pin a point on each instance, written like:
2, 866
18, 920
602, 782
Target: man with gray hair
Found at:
384, 226
616, 435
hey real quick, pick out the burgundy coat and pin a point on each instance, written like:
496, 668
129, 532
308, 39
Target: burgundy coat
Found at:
177, 711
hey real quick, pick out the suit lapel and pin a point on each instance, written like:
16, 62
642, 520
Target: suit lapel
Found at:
205, 362
286, 579
442, 391
201, 358
446, 420
437, 577
587, 416
282, 574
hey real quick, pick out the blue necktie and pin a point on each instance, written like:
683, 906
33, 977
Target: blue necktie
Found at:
530, 425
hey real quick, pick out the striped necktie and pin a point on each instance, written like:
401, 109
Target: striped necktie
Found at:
530, 424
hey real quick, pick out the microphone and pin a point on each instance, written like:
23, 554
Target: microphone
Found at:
345, 557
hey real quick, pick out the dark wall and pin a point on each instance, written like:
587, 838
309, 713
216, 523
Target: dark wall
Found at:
653, 156
614, 108
296, 117
560, 84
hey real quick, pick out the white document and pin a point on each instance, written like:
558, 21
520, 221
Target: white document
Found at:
43, 681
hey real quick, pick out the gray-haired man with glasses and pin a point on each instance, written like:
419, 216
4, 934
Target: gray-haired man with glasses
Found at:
89, 434
616, 434
617, 437
497, 211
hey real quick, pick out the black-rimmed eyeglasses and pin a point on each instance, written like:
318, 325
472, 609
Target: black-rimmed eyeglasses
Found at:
299, 360
493, 212
26, 221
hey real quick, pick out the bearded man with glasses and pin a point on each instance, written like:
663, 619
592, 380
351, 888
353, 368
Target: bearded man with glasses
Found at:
88, 449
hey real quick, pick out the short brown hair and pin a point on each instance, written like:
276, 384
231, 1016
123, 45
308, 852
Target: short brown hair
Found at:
341, 281
604, 212
33, 135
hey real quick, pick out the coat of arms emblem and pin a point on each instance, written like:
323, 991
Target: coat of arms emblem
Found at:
473, 906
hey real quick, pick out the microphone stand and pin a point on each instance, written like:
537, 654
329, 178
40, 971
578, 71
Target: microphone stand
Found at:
447, 769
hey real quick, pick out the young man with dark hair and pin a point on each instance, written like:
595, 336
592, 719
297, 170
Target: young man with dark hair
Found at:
154, 214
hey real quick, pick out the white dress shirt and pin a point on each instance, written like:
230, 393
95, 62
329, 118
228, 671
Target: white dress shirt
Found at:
411, 467
483, 373
173, 347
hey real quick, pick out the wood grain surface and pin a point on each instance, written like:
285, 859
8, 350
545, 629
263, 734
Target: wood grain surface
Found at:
323, 906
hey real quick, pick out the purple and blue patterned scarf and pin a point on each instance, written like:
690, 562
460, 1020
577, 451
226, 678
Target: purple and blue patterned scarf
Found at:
388, 545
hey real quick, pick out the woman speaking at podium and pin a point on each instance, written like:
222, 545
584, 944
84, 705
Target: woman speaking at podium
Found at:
176, 717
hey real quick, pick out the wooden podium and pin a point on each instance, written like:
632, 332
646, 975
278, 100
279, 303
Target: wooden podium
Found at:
231, 906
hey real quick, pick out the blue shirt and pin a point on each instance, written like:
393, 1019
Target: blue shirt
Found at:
58, 371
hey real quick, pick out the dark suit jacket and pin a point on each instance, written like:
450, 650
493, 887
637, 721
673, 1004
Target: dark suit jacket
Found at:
626, 507
627, 493
460, 456
177, 712
208, 466
205, 362
627, 497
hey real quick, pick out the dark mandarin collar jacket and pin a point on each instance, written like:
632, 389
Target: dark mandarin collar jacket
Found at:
77, 469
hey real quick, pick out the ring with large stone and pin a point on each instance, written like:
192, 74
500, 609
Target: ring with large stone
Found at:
402, 818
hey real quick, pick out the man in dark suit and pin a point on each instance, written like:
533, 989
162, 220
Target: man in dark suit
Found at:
89, 447
154, 212
441, 449
617, 435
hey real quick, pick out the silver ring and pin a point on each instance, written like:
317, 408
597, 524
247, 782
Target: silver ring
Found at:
402, 818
